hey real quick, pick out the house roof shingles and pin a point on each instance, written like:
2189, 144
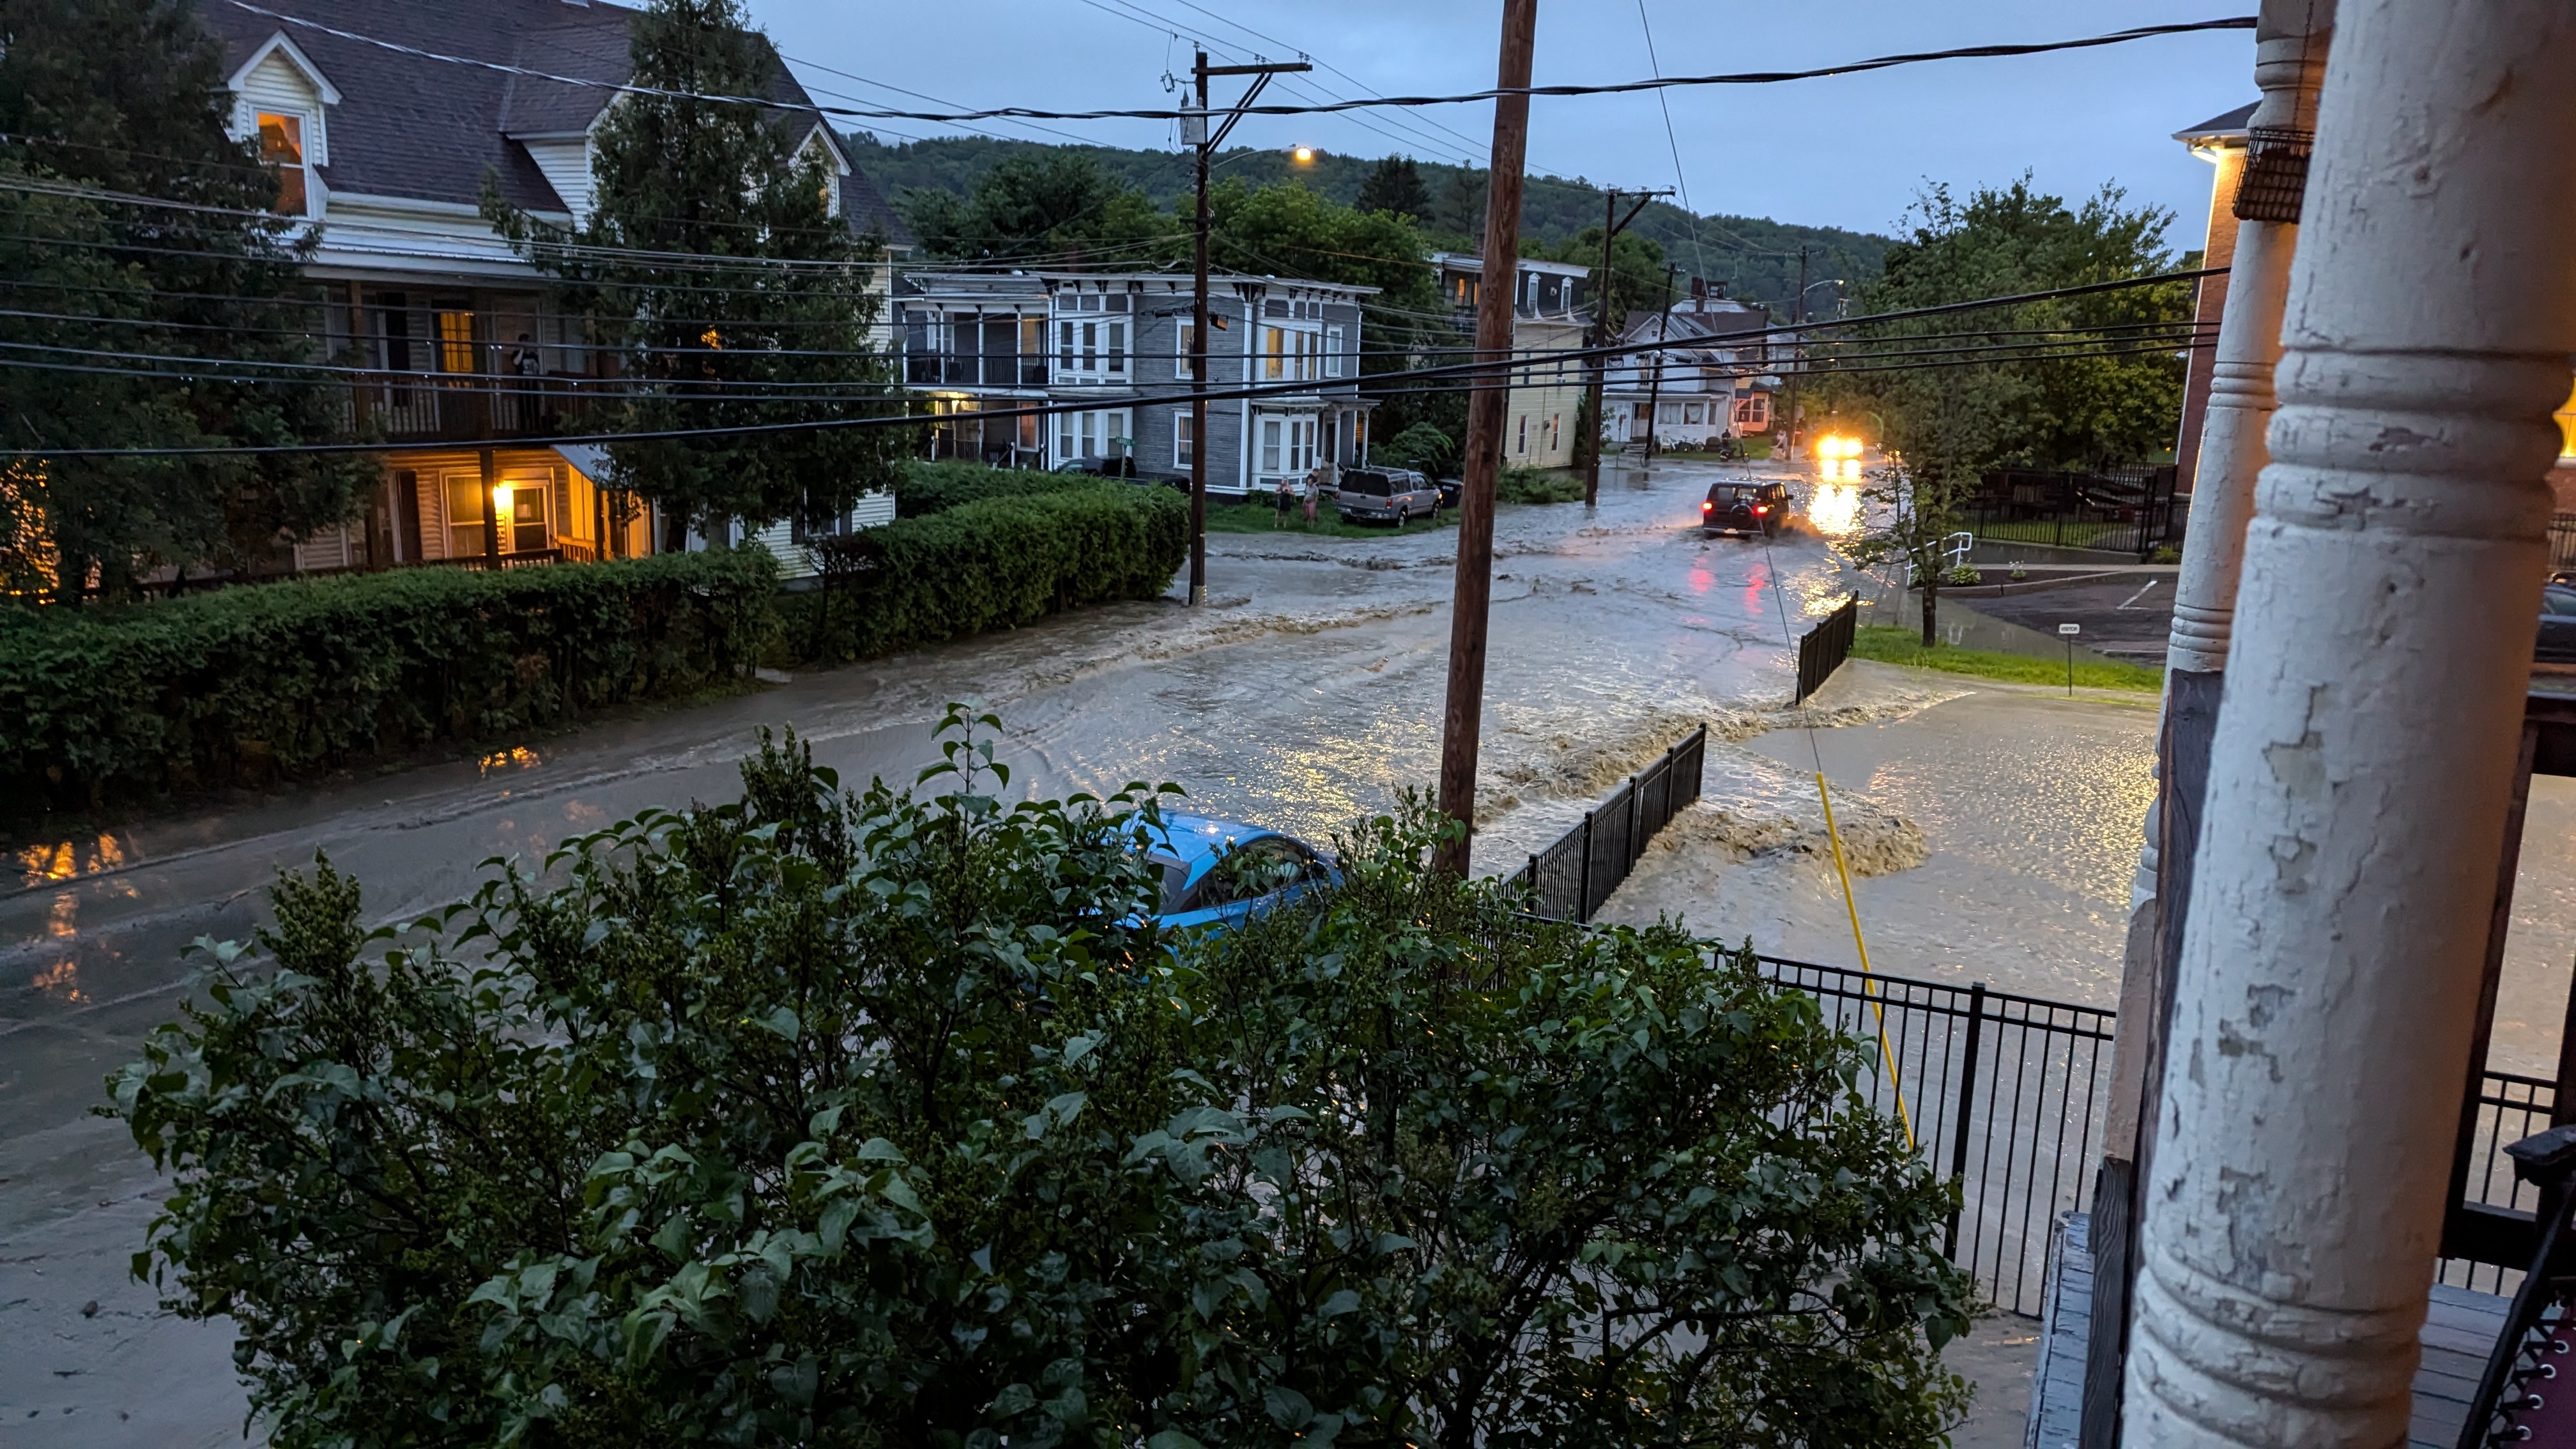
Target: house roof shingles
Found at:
429, 130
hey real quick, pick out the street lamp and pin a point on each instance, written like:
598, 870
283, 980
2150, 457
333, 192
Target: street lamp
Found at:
1303, 155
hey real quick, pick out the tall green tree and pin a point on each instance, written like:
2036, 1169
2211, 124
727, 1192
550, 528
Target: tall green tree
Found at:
1056, 206
886, 1118
128, 97
2078, 412
713, 263
1394, 185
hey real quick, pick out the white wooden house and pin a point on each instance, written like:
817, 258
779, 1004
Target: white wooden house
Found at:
385, 148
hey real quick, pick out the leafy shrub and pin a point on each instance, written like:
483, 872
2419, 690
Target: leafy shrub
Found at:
856, 1119
937, 487
993, 563
1422, 447
290, 678
1536, 485
1963, 574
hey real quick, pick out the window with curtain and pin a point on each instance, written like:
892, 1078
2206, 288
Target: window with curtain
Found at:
281, 148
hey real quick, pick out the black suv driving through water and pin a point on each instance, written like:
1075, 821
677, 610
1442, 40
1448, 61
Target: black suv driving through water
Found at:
1746, 508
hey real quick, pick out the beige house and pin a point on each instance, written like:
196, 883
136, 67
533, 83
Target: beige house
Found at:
1551, 324
469, 369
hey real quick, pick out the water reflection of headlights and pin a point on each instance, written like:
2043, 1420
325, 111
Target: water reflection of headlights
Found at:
1835, 510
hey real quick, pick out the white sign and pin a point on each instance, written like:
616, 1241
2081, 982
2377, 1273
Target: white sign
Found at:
2070, 630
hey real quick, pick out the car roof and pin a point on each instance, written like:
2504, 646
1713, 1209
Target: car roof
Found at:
1197, 840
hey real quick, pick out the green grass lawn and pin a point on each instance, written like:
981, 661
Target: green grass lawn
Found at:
1905, 646
1259, 518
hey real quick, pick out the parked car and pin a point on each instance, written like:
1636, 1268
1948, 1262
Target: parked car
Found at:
2557, 642
1743, 507
1220, 873
1386, 495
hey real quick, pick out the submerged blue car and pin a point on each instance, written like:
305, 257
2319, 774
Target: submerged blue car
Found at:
1219, 872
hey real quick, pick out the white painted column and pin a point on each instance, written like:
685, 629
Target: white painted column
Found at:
2287, 67
2365, 746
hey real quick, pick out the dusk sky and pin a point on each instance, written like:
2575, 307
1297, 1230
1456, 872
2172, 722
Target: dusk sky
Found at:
1845, 151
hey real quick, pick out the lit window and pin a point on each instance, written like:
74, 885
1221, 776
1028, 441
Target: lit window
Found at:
455, 341
1274, 352
281, 146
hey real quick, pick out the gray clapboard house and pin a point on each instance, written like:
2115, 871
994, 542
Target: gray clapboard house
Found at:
1112, 348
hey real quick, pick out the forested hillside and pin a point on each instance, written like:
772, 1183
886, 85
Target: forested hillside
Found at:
1753, 257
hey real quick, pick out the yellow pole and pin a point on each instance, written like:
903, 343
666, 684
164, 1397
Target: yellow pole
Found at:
1869, 989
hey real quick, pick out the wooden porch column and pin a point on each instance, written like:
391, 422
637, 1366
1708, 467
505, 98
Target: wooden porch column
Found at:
2364, 753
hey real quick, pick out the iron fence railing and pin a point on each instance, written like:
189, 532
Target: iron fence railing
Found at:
2562, 541
2004, 1093
1574, 875
2118, 510
2510, 1107
1822, 649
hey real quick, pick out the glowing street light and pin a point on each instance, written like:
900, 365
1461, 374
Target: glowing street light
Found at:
1303, 155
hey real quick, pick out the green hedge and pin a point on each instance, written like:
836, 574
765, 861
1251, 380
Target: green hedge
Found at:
929, 488
994, 563
291, 678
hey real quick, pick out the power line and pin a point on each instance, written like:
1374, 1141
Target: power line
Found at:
1469, 372
1028, 113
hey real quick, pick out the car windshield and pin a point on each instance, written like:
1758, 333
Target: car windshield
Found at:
1176, 879
1373, 484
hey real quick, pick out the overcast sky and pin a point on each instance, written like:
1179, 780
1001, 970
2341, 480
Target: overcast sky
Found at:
1845, 151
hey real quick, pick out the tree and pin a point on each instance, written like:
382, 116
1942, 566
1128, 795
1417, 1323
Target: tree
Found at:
1394, 185
1912, 510
101, 103
712, 264
2072, 413
1459, 214
1057, 206
884, 1119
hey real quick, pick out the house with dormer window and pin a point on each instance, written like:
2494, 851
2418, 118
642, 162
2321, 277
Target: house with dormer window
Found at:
383, 119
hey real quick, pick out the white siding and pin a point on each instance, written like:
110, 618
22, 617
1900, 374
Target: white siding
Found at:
332, 548
873, 510
566, 164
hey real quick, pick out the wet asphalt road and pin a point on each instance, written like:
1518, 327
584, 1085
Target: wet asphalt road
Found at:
1305, 695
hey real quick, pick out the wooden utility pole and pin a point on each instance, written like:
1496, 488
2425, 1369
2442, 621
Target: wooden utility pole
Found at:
1486, 406
1655, 380
1611, 225
1203, 143
1788, 427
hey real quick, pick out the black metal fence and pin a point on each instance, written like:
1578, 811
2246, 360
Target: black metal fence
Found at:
2003, 1092
2562, 541
2510, 1107
2119, 510
1572, 877
1822, 649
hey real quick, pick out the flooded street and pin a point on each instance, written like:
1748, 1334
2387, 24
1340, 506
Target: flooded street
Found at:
1994, 827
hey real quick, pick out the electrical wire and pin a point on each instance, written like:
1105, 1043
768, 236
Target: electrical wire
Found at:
1884, 62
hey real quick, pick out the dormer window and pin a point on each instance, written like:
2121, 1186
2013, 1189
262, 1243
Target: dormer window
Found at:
281, 149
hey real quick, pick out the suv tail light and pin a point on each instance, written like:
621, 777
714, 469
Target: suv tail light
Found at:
1706, 507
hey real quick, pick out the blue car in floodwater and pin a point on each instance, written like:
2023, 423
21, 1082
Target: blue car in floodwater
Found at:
1220, 872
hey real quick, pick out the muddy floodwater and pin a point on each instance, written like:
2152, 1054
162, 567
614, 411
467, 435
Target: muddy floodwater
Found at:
1994, 828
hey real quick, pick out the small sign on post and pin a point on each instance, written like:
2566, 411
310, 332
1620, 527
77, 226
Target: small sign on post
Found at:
2068, 632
